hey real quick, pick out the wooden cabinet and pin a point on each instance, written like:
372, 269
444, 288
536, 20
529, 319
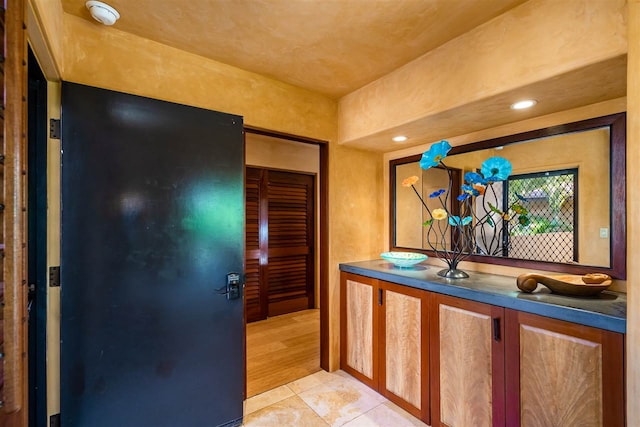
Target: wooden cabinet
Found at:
403, 326
358, 338
458, 363
562, 373
492, 366
467, 363
385, 340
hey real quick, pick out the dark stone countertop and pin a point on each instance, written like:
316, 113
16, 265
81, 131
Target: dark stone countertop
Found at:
607, 310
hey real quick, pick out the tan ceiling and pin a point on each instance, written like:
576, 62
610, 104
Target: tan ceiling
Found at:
329, 46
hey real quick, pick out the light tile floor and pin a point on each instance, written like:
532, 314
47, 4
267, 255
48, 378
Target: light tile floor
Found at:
325, 399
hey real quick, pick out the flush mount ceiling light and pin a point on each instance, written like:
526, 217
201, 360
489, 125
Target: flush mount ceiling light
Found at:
521, 105
102, 12
399, 138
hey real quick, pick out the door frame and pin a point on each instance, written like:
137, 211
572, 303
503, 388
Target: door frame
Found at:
37, 240
323, 237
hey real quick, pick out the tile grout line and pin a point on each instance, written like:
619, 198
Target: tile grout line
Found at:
306, 404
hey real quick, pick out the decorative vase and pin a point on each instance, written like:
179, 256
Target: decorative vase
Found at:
452, 272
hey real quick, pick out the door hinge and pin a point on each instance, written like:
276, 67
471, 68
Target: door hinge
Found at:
54, 128
54, 420
54, 276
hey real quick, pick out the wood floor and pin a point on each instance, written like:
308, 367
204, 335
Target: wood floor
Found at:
282, 349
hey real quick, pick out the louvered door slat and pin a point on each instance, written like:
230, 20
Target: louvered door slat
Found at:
287, 278
255, 295
252, 214
252, 290
289, 213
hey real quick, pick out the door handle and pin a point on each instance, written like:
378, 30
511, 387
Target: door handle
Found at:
496, 329
232, 288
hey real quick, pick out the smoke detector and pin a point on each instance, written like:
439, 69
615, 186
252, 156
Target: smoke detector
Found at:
102, 12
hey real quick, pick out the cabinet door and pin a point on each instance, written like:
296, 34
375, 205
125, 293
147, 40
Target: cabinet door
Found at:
563, 374
467, 363
359, 330
404, 348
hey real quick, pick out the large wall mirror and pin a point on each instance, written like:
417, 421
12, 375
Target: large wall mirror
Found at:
573, 179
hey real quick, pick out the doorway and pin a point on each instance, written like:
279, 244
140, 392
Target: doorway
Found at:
280, 242
37, 241
286, 347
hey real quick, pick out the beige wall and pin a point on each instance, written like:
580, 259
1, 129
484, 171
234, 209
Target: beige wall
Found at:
409, 234
535, 41
356, 221
108, 58
45, 32
276, 153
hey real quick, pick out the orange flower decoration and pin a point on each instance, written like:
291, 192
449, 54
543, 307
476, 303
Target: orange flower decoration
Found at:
479, 188
408, 182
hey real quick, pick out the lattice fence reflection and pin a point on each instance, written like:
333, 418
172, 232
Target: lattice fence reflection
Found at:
551, 199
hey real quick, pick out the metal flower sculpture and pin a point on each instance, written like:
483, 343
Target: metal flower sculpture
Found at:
478, 226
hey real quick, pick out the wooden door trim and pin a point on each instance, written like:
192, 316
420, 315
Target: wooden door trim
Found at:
15, 388
323, 223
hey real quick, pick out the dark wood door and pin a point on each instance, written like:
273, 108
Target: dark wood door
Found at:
152, 222
280, 242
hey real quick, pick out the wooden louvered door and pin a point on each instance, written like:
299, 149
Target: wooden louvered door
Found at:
256, 246
280, 243
13, 295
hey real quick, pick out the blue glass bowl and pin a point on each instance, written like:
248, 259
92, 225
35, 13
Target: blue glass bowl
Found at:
403, 259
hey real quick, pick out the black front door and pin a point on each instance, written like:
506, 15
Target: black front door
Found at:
152, 223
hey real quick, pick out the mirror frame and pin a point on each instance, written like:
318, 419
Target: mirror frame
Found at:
618, 196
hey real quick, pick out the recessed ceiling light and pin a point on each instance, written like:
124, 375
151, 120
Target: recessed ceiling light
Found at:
400, 138
521, 105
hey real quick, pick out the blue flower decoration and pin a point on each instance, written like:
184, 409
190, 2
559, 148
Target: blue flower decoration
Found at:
496, 169
456, 221
434, 155
464, 196
436, 193
470, 190
474, 178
